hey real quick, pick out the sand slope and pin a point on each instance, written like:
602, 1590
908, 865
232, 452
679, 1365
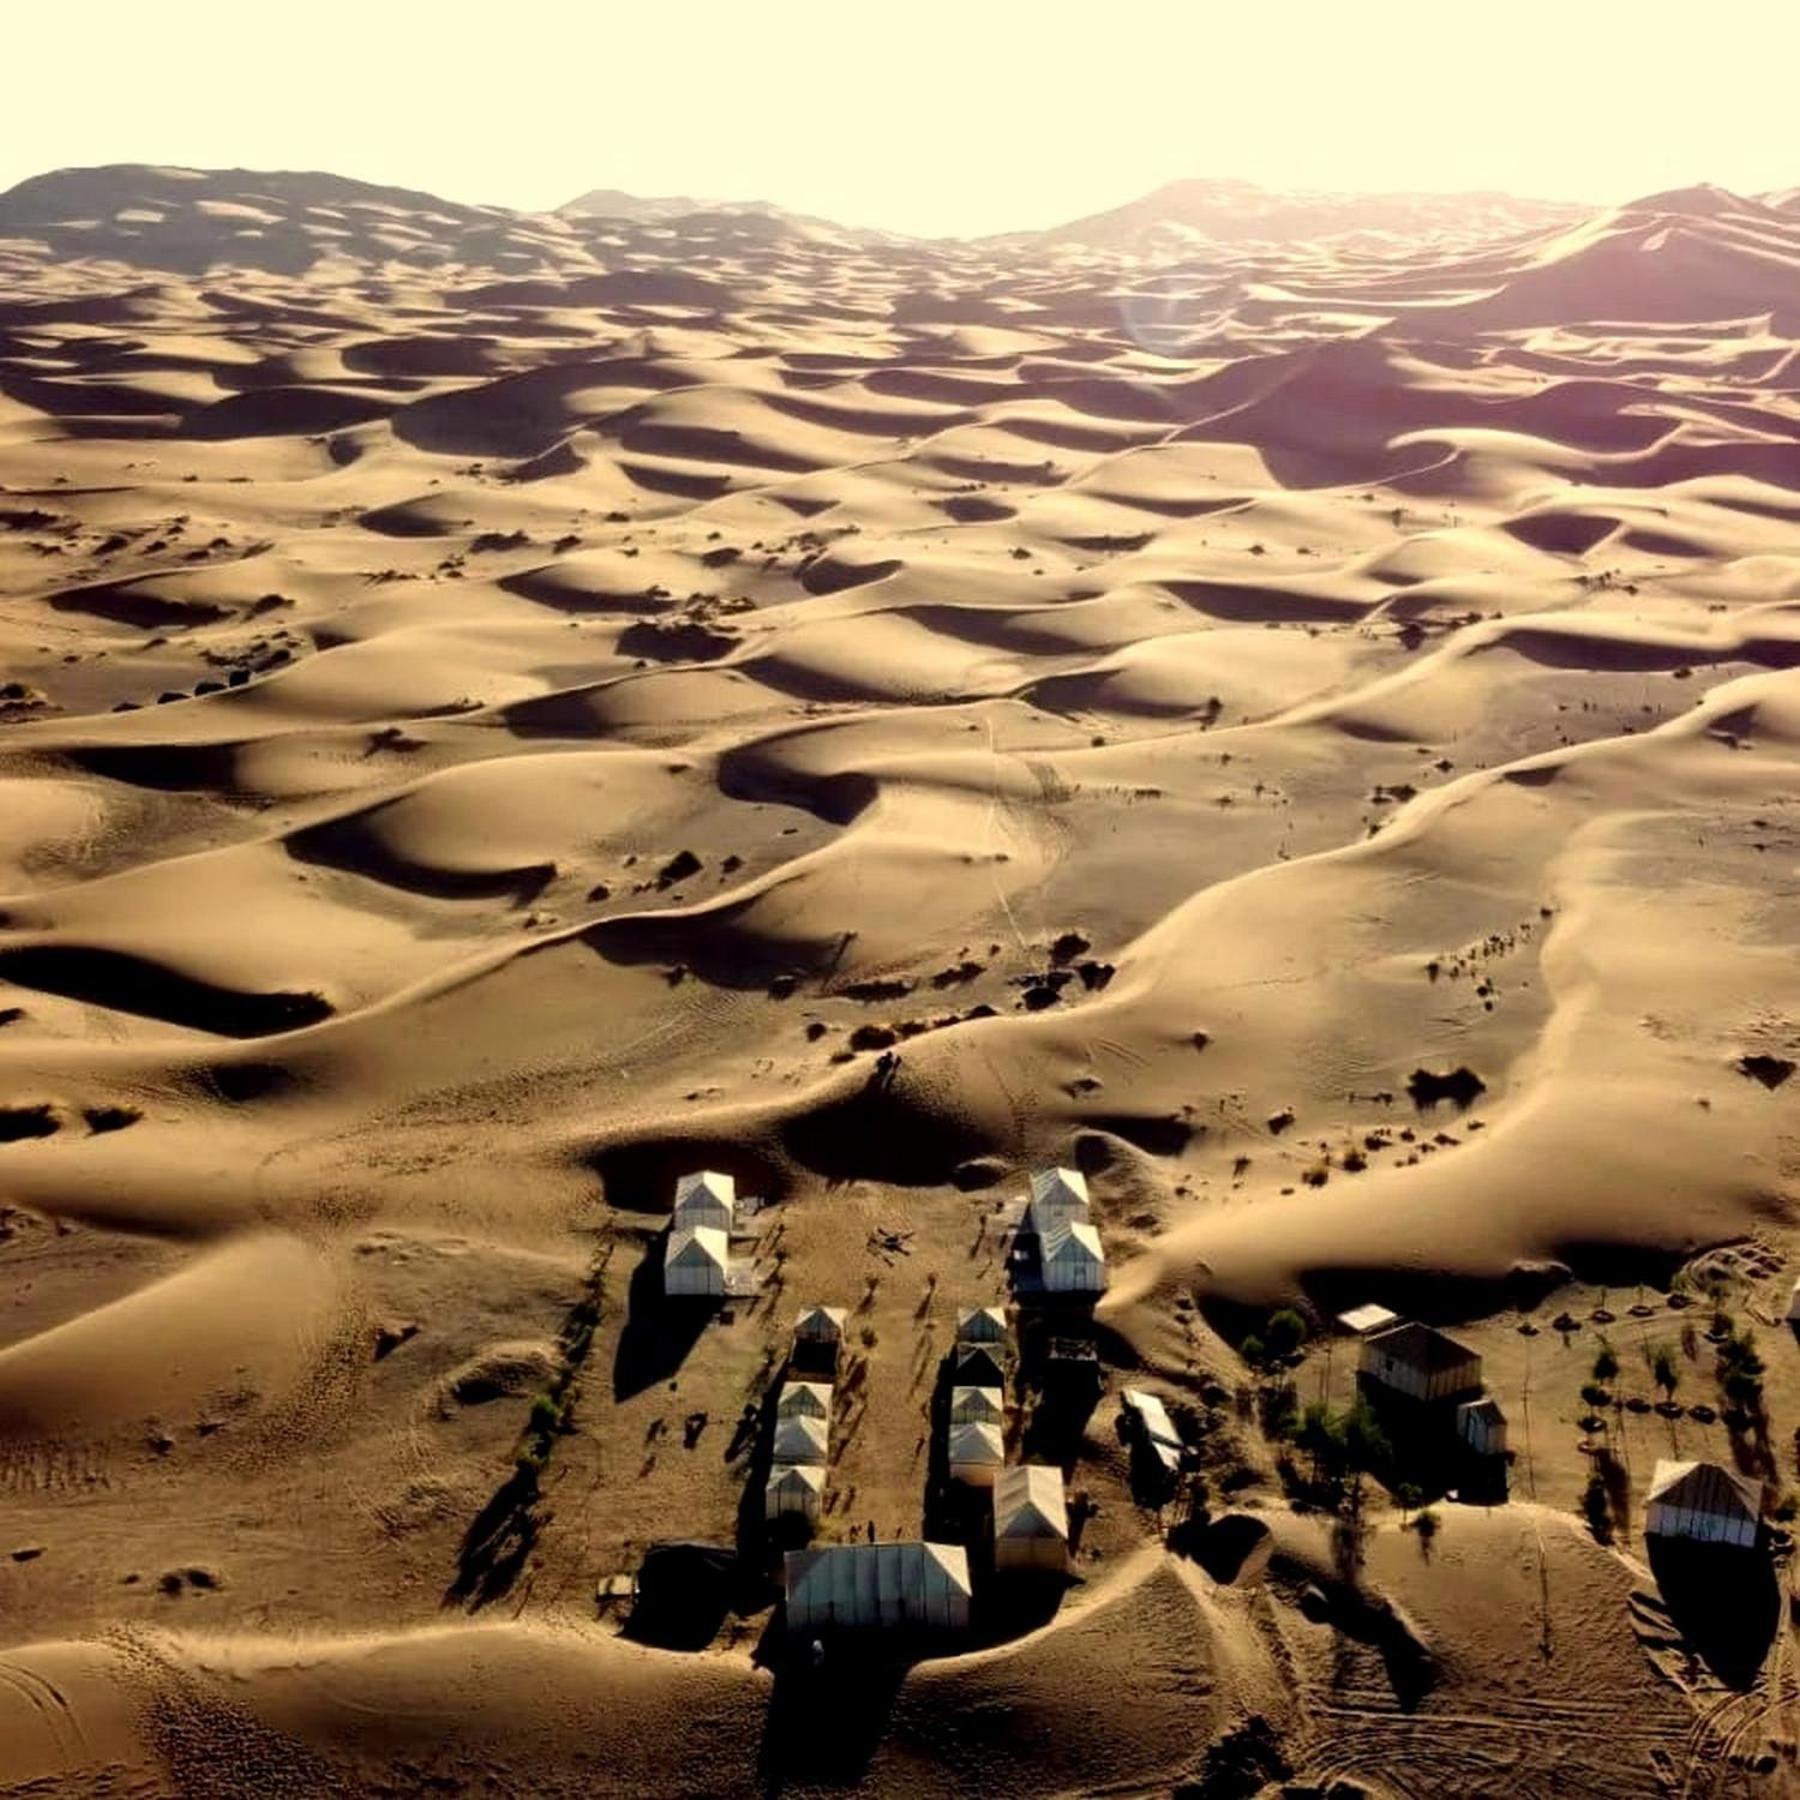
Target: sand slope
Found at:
499, 710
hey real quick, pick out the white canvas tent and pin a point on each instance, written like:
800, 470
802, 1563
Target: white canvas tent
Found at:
820, 1325
1057, 1195
1031, 1519
794, 1489
707, 1198
1793, 1311
1703, 1502
978, 1405
1071, 1259
981, 1325
803, 1400
1155, 1427
696, 1262
976, 1453
851, 1587
800, 1440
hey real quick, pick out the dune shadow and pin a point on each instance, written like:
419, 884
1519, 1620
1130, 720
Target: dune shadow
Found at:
827, 1717
1724, 1600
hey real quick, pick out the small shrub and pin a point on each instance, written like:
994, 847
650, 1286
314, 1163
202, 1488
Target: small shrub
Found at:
1606, 1363
1597, 1507
1426, 1525
1284, 1333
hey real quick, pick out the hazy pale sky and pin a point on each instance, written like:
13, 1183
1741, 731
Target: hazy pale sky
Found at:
929, 117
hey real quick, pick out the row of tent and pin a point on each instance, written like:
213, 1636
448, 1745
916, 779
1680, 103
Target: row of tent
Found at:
697, 1258
1071, 1259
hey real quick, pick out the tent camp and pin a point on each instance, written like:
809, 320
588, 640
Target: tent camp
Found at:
981, 1325
976, 1453
1154, 1428
1419, 1362
707, 1198
1071, 1259
1057, 1195
800, 1440
696, 1262
980, 1405
822, 1326
803, 1400
1031, 1519
793, 1490
851, 1587
1703, 1502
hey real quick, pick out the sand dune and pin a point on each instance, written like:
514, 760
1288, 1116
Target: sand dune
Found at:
498, 711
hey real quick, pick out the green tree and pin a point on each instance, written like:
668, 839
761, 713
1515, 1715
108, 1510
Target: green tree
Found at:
1665, 1371
1284, 1333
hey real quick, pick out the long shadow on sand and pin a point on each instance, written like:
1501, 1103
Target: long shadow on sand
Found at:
659, 1331
1723, 1600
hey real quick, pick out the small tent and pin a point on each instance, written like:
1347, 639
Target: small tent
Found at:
696, 1262
1793, 1311
822, 1326
976, 1453
1071, 1259
1482, 1426
981, 1405
1360, 1321
794, 1490
977, 1365
1031, 1519
803, 1400
1057, 1195
852, 1587
981, 1325
707, 1198
1703, 1502
800, 1440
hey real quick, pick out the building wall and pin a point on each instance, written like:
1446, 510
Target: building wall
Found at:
1665, 1520
1050, 1555
1074, 1276
1406, 1378
706, 1279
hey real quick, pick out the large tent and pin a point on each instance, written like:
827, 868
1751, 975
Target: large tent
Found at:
1420, 1362
976, 1453
696, 1261
800, 1440
793, 1489
707, 1198
1071, 1259
1702, 1501
1031, 1519
861, 1586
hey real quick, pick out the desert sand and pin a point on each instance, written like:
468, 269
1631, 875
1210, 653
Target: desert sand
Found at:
498, 711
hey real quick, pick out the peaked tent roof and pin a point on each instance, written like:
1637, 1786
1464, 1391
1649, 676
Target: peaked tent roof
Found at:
1059, 1189
981, 1325
976, 1442
1029, 1502
706, 1185
984, 1403
821, 1321
1704, 1487
803, 1400
871, 1584
1072, 1240
800, 1440
795, 1478
696, 1244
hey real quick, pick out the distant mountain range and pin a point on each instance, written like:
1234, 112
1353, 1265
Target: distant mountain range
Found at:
1706, 246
